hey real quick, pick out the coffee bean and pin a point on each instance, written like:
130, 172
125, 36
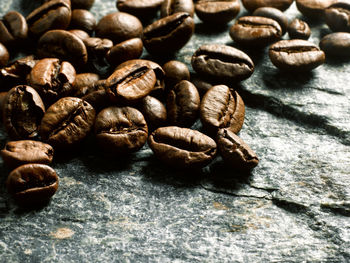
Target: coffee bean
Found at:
13, 29
4, 55
255, 31
67, 122
175, 71
2, 102
119, 27
82, 4
97, 47
170, 7
85, 80
154, 112
222, 108
338, 16
217, 11
88, 86
336, 45
22, 112
79, 33
235, 152
251, 5
139, 8
63, 45
97, 96
168, 34
130, 83
52, 79
313, 8
202, 84
55, 14
82, 19
299, 29
222, 62
32, 185
275, 14
124, 51
17, 153
182, 147
296, 55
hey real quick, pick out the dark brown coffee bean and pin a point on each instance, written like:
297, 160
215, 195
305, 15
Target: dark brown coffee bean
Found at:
222, 62
182, 147
275, 14
22, 112
299, 29
85, 80
55, 14
168, 34
2, 103
79, 33
81, 91
67, 122
251, 5
154, 112
183, 103
255, 31
4, 55
296, 55
126, 50
121, 130
97, 96
97, 47
82, 19
130, 83
13, 28
63, 45
338, 17
82, 4
170, 7
336, 45
217, 11
52, 79
235, 151
175, 71
139, 8
202, 84
119, 27
314, 8
17, 153
222, 108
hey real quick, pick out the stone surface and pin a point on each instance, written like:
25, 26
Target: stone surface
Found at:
294, 207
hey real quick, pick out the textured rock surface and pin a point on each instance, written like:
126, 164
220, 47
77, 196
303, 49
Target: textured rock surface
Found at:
294, 207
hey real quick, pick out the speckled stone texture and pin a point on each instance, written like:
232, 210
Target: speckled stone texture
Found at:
294, 207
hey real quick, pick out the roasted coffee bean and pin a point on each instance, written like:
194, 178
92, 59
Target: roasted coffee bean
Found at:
222, 62
251, 5
299, 29
97, 47
235, 151
52, 79
182, 147
22, 112
296, 55
154, 112
336, 44
222, 108
170, 7
67, 122
183, 103
314, 8
81, 91
55, 14
130, 83
139, 8
275, 14
175, 71
4, 55
82, 19
255, 31
202, 84
82, 4
97, 96
168, 34
32, 185
79, 33
124, 51
338, 17
119, 27
17, 153
85, 80
217, 11
2, 102
121, 130
13, 28
63, 45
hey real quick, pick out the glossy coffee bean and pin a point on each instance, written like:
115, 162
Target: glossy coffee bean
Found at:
13, 28
175, 71
222, 62
79, 33
67, 122
119, 27
183, 103
168, 34
82, 89
299, 29
22, 112
336, 44
182, 147
55, 14
124, 51
85, 80
63, 45
217, 11
235, 152
313, 8
222, 108
139, 8
170, 7
3, 95
82, 19
131, 83
275, 14
251, 5
154, 112
255, 31
202, 84
97, 96
17, 153
337, 17
4, 55
121, 130
82, 4
97, 47
296, 55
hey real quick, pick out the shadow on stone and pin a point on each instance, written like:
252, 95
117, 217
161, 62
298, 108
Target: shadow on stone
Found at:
205, 29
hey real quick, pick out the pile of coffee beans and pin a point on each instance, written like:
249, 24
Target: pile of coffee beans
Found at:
86, 77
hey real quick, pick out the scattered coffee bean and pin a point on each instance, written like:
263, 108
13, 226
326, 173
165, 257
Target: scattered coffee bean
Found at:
275, 14
4, 55
299, 29
251, 5
139, 8
97, 96
338, 17
175, 71
82, 19
97, 48
79, 33
202, 84
82, 4
336, 44
3, 95
13, 29
314, 8
217, 11
170, 7
154, 112
124, 51
85, 80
